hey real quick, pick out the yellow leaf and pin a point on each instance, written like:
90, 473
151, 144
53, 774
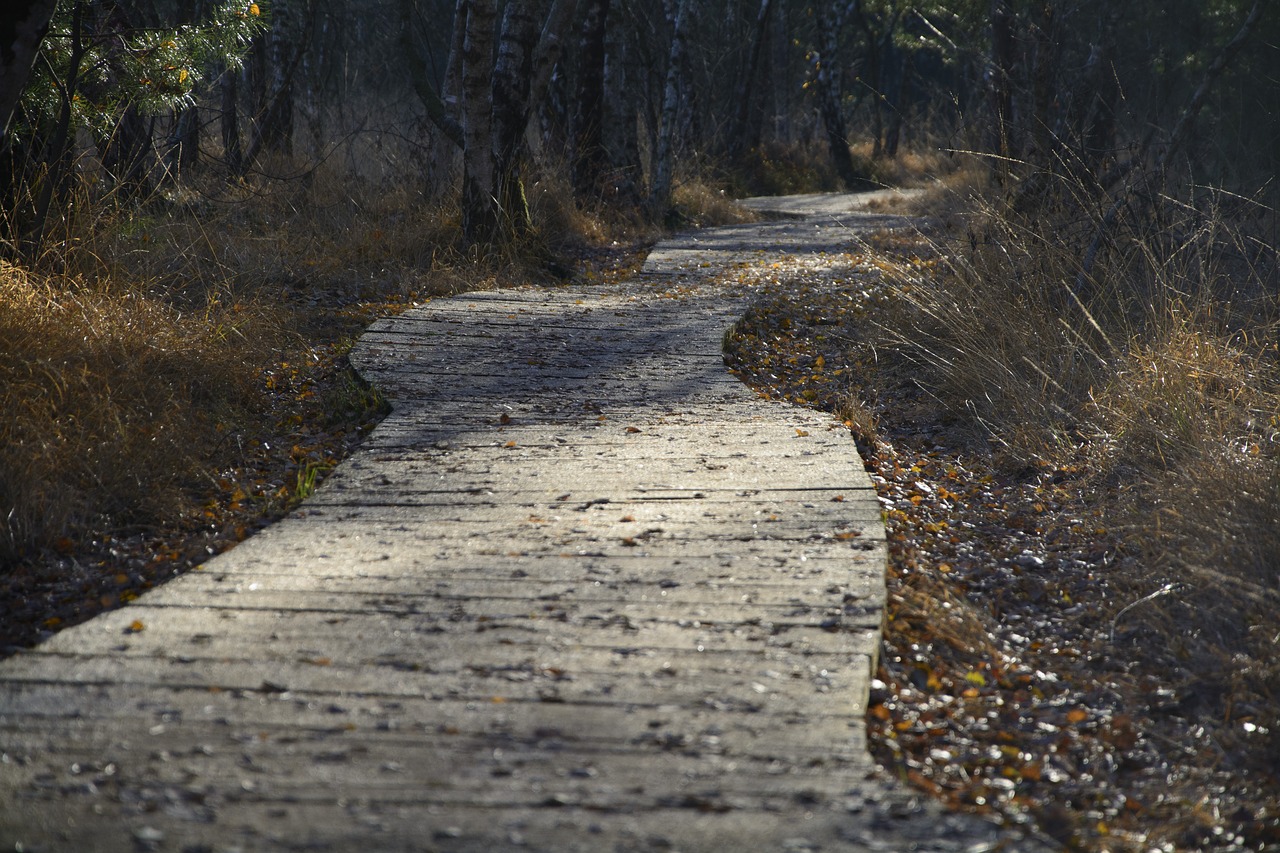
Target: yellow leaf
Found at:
135, 627
976, 678
802, 432
254, 10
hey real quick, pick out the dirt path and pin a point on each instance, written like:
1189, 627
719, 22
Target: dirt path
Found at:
582, 590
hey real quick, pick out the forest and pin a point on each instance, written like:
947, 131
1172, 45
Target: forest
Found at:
1065, 381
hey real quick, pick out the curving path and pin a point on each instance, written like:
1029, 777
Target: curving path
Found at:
582, 590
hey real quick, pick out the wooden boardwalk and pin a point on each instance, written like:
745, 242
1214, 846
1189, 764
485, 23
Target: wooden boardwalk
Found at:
582, 590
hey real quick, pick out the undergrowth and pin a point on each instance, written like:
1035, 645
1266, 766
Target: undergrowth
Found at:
1157, 374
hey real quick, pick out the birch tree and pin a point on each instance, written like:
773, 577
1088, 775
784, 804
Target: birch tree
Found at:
663, 157
826, 76
504, 71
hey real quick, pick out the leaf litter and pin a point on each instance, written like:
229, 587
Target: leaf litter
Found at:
1007, 686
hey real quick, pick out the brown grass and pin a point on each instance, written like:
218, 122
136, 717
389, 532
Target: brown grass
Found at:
106, 394
1159, 380
138, 351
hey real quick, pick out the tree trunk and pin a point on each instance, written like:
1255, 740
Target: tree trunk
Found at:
663, 157
740, 137
127, 156
827, 77
432, 100
273, 129
58, 150
587, 119
1098, 121
898, 65
782, 92
498, 97
229, 122
1002, 70
1045, 72
621, 131
183, 144
512, 84
479, 183
23, 24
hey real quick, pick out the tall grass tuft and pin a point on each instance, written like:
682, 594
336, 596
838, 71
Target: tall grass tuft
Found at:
1157, 372
107, 394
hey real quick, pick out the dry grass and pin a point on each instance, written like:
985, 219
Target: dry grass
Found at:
775, 168
147, 331
701, 203
1157, 379
921, 164
106, 393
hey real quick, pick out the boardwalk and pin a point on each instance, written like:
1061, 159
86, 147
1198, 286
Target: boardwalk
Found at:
582, 590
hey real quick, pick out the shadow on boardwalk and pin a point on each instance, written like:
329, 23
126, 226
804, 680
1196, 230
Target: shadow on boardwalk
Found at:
582, 590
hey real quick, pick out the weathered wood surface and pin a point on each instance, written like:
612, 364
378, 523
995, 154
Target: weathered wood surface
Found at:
582, 590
